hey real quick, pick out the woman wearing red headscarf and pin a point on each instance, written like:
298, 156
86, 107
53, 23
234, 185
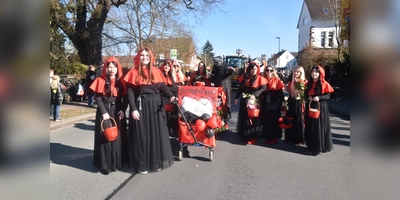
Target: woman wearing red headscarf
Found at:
111, 98
317, 132
273, 98
252, 84
150, 147
171, 80
273, 101
200, 77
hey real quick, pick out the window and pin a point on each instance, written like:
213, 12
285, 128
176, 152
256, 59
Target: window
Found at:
305, 20
330, 39
323, 35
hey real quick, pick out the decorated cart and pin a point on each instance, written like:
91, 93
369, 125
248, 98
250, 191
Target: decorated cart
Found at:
200, 111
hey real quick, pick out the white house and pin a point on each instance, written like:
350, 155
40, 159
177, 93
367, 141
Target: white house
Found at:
283, 60
317, 24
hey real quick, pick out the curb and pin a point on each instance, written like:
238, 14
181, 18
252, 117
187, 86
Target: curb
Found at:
340, 113
70, 121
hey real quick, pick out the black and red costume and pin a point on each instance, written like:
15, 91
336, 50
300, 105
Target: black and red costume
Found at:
317, 132
150, 147
111, 98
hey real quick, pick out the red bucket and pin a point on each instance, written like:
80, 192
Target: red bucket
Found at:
253, 113
313, 113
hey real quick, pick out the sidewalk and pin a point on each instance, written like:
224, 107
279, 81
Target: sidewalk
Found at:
72, 120
340, 108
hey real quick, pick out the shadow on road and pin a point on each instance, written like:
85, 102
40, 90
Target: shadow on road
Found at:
72, 156
84, 126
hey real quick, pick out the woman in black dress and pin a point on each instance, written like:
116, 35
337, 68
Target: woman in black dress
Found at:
111, 98
273, 98
253, 84
317, 132
150, 147
295, 134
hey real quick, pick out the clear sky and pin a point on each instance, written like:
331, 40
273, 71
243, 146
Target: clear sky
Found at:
252, 26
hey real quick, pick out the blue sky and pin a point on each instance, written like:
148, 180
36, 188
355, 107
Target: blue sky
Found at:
252, 26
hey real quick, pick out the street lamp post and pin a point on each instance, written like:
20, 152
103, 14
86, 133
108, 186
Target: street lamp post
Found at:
279, 44
238, 52
279, 49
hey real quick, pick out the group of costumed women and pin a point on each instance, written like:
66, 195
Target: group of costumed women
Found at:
265, 92
146, 88
146, 146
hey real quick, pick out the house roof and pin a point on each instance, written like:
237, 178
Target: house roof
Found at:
320, 9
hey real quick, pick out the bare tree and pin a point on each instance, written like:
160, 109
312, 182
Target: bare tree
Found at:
82, 21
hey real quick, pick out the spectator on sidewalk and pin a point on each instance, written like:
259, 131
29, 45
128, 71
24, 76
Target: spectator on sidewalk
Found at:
334, 80
111, 98
317, 133
99, 70
51, 107
90, 76
56, 99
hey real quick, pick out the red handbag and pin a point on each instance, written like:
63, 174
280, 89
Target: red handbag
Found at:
313, 113
111, 133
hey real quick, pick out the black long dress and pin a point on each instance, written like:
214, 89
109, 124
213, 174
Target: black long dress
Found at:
271, 130
110, 156
150, 147
318, 135
273, 98
222, 77
249, 130
295, 135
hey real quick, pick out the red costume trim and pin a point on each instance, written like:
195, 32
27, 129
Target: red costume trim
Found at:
133, 74
275, 84
260, 80
99, 84
326, 87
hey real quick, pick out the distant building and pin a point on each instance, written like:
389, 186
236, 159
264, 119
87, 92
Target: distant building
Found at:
283, 60
316, 24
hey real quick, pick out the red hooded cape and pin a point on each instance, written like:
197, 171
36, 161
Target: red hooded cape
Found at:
133, 76
275, 84
326, 87
260, 80
99, 84
168, 79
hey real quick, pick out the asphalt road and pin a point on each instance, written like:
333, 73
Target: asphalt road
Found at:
238, 171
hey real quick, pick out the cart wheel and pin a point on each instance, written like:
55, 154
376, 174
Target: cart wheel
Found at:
211, 155
180, 155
